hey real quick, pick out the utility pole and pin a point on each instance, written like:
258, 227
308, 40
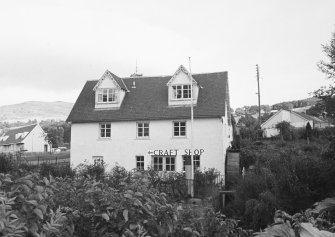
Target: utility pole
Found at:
259, 97
191, 191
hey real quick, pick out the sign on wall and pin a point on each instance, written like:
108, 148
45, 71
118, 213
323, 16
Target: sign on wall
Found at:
175, 152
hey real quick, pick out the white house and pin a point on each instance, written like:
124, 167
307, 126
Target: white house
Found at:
138, 122
30, 138
296, 119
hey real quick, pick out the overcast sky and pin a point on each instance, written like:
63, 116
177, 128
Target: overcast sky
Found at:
49, 49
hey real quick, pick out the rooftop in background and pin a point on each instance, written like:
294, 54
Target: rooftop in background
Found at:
16, 135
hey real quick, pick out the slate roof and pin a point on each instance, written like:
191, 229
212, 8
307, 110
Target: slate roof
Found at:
149, 100
12, 132
309, 117
119, 81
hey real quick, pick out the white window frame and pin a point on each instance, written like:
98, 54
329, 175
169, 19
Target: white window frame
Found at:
139, 162
140, 127
164, 163
104, 128
181, 92
179, 128
107, 95
196, 162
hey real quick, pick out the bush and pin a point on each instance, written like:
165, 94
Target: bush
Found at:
46, 170
6, 163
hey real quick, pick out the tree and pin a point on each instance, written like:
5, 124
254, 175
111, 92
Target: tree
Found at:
327, 93
285, 130
308, 131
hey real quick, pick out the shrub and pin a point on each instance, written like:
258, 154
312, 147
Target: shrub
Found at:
6, 163
46, 170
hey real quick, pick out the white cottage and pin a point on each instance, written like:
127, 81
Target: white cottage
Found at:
296, 119
138, 122
31, 138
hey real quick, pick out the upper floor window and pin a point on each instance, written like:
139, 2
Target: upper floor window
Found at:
105, 130
142, 130
179, 129
181, 92
107, 95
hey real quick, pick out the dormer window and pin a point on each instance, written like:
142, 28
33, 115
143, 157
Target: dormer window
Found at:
107, 95
181, 92
110, 91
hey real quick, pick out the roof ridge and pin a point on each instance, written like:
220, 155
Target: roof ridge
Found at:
193, 74
13, 128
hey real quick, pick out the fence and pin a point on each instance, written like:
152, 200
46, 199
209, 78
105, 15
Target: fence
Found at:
38, 158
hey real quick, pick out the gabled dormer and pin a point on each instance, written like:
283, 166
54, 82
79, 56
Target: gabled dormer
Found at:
109, 91
179, 87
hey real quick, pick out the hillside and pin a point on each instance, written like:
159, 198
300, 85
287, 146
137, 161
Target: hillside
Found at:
296, 103
35, 110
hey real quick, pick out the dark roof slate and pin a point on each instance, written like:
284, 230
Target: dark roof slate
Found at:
149, 100
119, 81
12, 132
309, 117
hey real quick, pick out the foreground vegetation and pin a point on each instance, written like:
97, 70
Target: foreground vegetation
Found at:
57, 201
289, 174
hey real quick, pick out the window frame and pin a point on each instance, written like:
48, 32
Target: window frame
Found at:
196, 162
179, 129
143, 127
164, 164
105, 130
111, 95
139, 163
181, 90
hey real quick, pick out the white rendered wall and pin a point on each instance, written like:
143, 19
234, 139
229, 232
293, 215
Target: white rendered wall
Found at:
123, 146
35, 140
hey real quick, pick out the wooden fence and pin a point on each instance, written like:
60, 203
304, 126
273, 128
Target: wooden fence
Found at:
38, 158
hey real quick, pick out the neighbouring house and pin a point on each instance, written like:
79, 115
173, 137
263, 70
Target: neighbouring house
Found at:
30, 138
137, 122
296, 119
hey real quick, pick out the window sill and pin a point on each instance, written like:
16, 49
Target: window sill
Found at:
180, 137
182, 99
104, 139
142, 138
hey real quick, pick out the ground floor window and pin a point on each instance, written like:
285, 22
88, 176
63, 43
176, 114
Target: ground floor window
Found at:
161, 163
196, 161
140, 162
98, 160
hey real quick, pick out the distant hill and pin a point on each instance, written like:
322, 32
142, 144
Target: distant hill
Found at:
296, 103
38, 110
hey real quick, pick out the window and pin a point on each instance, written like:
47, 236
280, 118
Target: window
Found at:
140, 162
167, 163
98, 160
158, 163
182, 92
105, 130
107, 95
142, 130
179, 129
196, 161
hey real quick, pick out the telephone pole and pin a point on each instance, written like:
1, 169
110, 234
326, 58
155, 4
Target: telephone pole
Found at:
259, 97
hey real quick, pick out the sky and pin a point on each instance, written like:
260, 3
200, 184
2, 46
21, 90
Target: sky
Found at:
49, 49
